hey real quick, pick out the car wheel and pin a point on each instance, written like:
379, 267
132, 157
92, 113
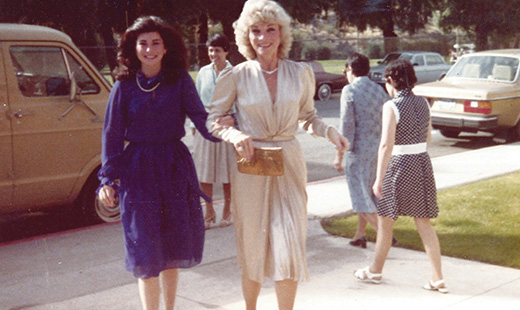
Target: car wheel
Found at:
89, 206
324, 92
513, 134
450, 133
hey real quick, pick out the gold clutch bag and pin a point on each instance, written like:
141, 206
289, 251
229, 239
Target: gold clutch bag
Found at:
266, 161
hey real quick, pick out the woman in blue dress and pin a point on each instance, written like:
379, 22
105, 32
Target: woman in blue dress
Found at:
158, 192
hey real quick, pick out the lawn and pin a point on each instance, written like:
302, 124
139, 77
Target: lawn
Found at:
337, 65
479, 221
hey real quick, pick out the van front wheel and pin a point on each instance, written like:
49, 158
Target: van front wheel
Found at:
89, 206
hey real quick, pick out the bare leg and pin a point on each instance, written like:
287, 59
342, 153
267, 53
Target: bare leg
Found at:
383, 243
431, 246
207, 188
371, 218
286, 293
250, 290
169, 279
361, 227
149, 291
226, 213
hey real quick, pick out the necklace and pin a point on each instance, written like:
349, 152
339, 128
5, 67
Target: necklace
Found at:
269, 72
144, 89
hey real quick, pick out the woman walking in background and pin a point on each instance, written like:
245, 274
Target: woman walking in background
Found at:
272, 96
213, 160
404, 183
159, 193
361, 106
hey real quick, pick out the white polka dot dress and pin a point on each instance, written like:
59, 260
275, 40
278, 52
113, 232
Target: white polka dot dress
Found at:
409, 186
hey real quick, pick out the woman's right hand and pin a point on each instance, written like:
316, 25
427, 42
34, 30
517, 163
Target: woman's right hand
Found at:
244, 146
107, 195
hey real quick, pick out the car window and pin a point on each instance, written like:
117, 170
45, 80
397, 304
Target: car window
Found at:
433, 60
393, 56
316, 66
500, 68
42, 71
418, 59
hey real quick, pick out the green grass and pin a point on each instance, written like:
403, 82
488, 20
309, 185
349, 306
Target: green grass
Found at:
337, 65
479, 221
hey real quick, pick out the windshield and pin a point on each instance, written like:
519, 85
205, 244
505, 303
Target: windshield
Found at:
394, 56
499, 68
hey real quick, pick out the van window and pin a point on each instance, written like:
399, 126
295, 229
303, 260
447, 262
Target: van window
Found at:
42, 71
85, 82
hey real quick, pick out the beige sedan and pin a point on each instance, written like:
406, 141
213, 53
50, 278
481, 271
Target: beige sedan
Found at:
481, 92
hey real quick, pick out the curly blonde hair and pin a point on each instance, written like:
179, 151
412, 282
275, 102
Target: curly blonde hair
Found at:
255, 11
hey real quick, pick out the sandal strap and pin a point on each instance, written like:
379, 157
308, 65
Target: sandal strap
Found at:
436, 284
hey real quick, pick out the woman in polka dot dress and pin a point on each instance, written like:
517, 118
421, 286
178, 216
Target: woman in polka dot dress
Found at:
405, 184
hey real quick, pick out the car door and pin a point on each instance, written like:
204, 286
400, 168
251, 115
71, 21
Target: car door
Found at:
6, 155
420, 69
54, 139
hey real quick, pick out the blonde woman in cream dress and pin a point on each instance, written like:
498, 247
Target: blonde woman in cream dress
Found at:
273, 97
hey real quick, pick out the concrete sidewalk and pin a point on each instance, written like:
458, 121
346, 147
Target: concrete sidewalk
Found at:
215, 284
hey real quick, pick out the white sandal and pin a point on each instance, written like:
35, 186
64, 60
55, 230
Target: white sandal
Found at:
438, 286
365, 275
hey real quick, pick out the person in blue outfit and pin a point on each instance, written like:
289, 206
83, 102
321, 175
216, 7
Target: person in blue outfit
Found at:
158, 189
361, 109
213, 160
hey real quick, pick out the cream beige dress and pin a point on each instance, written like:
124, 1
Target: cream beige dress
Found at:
270, 212
212, 159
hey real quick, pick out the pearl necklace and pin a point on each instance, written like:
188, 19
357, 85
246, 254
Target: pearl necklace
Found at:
269, 72
144, 89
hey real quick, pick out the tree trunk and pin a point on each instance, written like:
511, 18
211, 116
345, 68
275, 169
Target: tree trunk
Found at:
390, 37
202, 38
481, 32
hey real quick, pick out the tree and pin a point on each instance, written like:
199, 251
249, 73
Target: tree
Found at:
407, 15
482, 18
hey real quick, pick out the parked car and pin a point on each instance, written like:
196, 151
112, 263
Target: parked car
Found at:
480, 92
326, 83
428, 66
53, 102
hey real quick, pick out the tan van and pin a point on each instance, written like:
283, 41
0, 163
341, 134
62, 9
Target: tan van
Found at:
52, 104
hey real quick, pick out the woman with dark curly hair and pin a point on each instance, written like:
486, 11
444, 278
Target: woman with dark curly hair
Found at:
404, 181
158, 192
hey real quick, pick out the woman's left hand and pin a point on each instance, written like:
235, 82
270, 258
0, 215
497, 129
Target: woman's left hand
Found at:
342, 144
224, 122
378, 189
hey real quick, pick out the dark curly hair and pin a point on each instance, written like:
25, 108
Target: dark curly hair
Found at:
219, 40
358, 63
174, 61
402, 72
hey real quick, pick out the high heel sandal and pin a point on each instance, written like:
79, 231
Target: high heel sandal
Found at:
361, 242
225, 222
365, 275
438, 286
209, 220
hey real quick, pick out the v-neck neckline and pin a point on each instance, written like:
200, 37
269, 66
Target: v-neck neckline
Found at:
266, 87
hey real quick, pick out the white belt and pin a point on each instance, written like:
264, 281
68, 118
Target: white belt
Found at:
409, 149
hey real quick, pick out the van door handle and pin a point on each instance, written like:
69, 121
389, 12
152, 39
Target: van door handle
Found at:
20, 114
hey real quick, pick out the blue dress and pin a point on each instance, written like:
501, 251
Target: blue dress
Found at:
159, 193
361, 112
